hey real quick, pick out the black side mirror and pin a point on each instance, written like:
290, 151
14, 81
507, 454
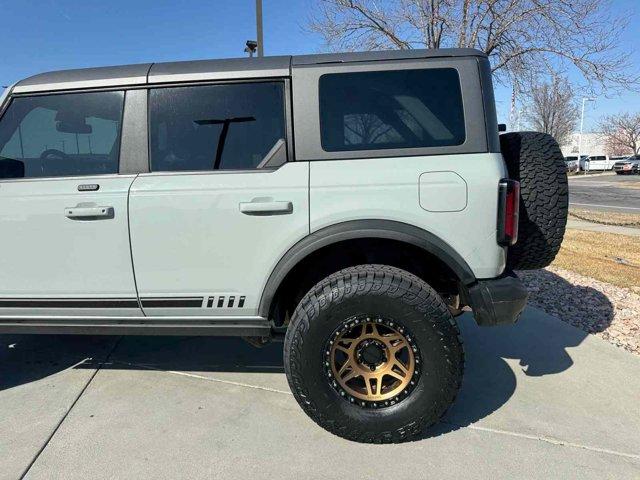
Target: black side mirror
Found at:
10, 168
502, 127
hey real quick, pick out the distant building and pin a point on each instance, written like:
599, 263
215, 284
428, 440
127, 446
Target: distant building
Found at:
592, 144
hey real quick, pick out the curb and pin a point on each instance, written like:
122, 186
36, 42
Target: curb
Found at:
582, 175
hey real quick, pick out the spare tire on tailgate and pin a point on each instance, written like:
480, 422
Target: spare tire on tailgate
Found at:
535, 160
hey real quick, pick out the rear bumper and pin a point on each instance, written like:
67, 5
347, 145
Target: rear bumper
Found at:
497, 301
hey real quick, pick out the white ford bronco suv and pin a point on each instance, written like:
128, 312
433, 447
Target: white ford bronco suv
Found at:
349, 204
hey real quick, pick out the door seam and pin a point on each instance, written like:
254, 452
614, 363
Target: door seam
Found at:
309, 198
133, 267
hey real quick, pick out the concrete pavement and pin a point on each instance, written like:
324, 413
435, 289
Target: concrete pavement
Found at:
539, 400
577, 224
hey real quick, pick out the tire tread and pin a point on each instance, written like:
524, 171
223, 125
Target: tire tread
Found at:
363, 280
536, 161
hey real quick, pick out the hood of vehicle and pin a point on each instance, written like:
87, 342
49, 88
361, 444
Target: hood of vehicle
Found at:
633, 160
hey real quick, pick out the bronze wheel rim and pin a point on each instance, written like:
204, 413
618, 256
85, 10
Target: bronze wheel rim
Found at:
372, 362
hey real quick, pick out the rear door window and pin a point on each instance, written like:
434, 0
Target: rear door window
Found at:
217, 127
391, 109
61, 135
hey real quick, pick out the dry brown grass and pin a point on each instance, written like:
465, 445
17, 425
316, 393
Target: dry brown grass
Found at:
606, 217
629, 185
606, 257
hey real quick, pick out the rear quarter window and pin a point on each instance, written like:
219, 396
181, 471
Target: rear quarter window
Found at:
391, 109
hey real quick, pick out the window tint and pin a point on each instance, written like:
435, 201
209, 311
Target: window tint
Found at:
61, 135
391, 109
239, 126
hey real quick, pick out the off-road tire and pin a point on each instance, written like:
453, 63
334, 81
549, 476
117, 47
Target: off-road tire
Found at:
535, 160
388, 292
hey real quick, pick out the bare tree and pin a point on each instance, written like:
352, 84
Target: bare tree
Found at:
525, 39
552, 109
621, 133
366, 129
613, 148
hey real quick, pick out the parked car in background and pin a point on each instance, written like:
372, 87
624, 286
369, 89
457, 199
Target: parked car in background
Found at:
617, 158
572, 163
597, 162
628, 166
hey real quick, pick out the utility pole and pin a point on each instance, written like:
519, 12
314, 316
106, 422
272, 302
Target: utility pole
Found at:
512, 111
259, 28
518, 117
257, 46
584, 100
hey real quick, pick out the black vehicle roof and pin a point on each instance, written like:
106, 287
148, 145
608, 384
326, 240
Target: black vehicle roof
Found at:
220, 69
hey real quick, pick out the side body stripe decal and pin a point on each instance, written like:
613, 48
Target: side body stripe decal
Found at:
147, 302
68, 303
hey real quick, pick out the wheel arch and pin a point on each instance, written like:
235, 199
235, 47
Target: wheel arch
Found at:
362, 229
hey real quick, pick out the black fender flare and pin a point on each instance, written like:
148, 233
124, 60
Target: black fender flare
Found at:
353, 229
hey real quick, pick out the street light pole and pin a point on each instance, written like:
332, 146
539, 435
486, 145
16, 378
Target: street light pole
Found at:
519, 115
259, 28
584, 100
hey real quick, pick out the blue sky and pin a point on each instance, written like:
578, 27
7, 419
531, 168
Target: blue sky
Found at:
56, 34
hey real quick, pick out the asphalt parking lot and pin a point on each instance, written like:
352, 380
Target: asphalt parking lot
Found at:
539, 400
610, 192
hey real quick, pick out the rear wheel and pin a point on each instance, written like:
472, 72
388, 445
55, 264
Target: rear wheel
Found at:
373, 354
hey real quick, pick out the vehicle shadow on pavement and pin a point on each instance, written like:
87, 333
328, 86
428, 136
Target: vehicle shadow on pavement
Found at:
196, 354
537, 345
28, 358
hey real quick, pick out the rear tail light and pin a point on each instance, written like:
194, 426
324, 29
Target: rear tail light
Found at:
508, 211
